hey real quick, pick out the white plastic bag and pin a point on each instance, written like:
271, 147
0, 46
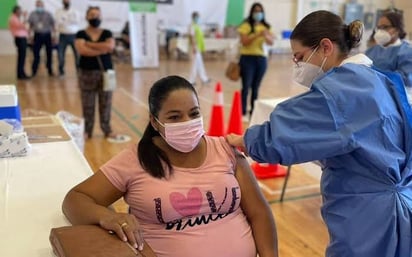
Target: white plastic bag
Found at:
109, 80
75, 126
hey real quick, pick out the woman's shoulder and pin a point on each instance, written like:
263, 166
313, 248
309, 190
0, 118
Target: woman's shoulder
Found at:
219, 146
217, 140
349, 71
81, 32
244, 27
405, 48
126, 160
350, 81
107, 33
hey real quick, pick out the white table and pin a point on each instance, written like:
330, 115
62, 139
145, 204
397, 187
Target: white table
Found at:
211, 44
263, 108
32, 189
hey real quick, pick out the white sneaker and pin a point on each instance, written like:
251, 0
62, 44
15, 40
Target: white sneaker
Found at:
245, 118
206, 82
118, 138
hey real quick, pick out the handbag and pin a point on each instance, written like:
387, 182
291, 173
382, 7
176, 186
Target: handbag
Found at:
91, 241
109, 80
233, 68
233, 71
109, 77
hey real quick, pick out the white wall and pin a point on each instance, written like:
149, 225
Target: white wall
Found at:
406, 6
281, 14
115, 15
285, 14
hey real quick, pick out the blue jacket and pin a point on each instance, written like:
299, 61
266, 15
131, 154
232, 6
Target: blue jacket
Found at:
393, 58
355, 123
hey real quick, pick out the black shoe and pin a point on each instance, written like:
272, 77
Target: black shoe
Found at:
24, 77
51, 74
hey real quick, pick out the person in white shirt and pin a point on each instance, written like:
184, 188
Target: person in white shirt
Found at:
67, 22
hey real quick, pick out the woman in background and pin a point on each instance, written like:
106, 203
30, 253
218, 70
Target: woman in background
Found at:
95, 46
254, 32
18, 29
392, 52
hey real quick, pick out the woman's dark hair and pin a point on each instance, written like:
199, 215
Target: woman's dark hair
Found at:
250, 19
323, 24
16, 8
395, 17
90, 8
151, 156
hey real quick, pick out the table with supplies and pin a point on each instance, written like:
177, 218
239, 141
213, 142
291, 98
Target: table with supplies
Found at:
32, 188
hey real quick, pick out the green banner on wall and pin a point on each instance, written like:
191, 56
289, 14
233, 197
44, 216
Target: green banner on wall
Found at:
142, 7
234, 13
5, 11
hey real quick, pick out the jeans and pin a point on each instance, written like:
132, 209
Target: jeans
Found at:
64, 41
41, 39
252, 69
21, 44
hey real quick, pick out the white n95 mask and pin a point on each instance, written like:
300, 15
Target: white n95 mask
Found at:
382, 37
305, 73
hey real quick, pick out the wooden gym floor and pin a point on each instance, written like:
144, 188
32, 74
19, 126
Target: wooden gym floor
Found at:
301, 231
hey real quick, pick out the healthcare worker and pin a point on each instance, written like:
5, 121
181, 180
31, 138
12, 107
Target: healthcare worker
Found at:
354, 122
391, 52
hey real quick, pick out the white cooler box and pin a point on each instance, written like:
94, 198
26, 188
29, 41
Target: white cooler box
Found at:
9, 105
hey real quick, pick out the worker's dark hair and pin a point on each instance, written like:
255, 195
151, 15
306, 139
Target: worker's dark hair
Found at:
395, 17
323, 24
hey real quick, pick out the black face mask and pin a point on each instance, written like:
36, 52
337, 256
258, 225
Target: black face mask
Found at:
95, 22
66, 5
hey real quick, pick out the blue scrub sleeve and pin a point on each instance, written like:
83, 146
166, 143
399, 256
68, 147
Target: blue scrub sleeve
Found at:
301, 129
405, 64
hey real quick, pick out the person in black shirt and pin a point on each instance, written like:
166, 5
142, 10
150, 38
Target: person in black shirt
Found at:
95, 46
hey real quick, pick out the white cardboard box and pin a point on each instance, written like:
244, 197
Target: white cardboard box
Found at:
8, 96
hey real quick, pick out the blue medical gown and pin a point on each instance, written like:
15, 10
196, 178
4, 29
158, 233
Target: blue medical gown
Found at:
353, 122
393, 58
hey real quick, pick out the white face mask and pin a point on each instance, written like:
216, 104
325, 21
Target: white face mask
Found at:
305, 73
382, 37
183, 136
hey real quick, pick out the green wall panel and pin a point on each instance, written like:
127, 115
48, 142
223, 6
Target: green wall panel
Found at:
234, 13
5, 11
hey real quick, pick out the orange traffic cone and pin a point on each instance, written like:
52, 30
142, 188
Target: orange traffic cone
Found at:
217, 121
235, 120
267, 170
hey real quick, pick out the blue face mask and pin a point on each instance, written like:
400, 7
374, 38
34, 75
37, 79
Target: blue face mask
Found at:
258, 16
39, 9
196, 20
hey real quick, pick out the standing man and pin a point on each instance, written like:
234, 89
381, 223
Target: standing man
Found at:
67, 21
20, 33
197, 46
41, 24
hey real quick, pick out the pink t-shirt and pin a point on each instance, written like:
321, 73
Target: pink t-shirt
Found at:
195, 212
16, 27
